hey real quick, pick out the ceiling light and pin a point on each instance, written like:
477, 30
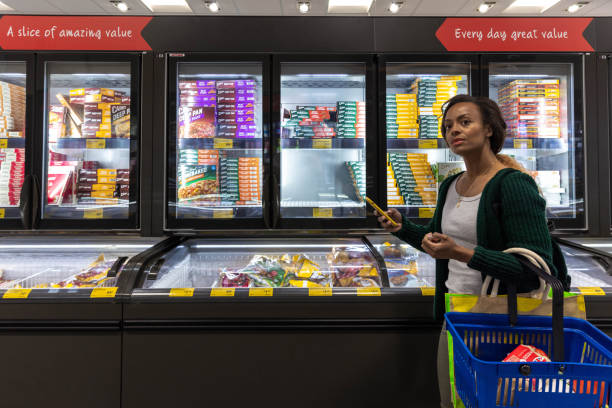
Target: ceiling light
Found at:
577, 6
349, 6
167, 6
484, 7
122, 6
395, 6
304, 6
530, 6
4, 7
213, 6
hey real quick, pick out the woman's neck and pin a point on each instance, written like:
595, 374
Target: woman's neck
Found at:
480, 163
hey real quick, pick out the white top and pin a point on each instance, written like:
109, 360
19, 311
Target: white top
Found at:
459, 222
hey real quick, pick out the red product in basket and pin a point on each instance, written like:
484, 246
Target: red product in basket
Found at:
526, 354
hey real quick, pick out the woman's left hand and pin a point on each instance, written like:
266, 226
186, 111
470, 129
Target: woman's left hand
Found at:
439, 246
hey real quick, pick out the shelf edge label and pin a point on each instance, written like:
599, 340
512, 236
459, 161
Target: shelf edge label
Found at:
181, 292
16, 293
368, 292
222, 292
523, 144
592, 291
223, 214
2, 212
320, 291
223, 143
93, 213
321, 143
103, 292
322, 212
73, 33
428, 291
3, 143
426, 212
261, 292
428, 144
95, 143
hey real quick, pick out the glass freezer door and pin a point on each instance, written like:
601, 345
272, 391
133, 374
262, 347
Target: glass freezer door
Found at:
12, 137
539, 103
216, 149
323, 140
418, 158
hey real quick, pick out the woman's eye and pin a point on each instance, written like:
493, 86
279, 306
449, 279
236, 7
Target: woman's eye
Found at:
465, 122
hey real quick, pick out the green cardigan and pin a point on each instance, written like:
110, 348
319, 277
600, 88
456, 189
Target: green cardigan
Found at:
520, 223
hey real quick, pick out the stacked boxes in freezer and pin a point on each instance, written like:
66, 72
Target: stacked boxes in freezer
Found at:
249, 180
236, 109
351, 119
402, 116
431, 95
413, 181
312, 121
12, 110
12, 167
229, 180
550, 184
357, 172
101, 185
531, 108
90, 113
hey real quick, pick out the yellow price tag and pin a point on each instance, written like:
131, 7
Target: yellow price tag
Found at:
223, 214
523, 144
592, 291
181, 292
428, 291
16, 293
368, 291
95, 143
322, 212
322, 144
319, 291
2, 212
103, 292
428, 144
222, 292
427, 212
93, 213
223, 143
261, 291
3, 143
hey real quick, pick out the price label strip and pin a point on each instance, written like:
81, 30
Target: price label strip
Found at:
95, 144
428, 291
16, 294
222, 292
319, 291
2, 212
322, 144
223, 143
523, 144
368, 292
93, 213
3, 143
428, 144
322, 212
181, 292
426, 212
259, 292
103, 292
592, 291
223, 214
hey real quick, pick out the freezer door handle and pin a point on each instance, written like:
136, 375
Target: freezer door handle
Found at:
115, 268
28, 201
152, 275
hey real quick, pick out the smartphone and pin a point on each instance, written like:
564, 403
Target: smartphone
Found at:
384, 214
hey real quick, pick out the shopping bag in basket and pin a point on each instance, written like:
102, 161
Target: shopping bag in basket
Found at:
535, 303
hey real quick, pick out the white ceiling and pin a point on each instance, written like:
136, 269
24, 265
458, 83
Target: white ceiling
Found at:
447, 8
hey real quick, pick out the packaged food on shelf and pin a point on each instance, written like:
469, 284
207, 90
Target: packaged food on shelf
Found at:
198, 183
196, 122
12, 170
413, 179
353, 267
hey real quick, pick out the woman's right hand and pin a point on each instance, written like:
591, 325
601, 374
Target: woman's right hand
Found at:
386, 224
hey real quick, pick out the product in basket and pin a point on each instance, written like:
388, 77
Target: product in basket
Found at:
196, 122
526, 354
353, 267
233, 279
198, 183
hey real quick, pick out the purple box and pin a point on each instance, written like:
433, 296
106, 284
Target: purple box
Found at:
248, 105
246, 128
198, 92
246, 135
196, 84
245, 91
245, 119
244, 99
245, 111
245, 83
226, 100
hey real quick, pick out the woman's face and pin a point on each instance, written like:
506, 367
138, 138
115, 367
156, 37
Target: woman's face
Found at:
465, 131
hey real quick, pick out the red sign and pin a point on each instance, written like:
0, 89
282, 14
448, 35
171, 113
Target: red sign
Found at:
73, 33
514, 34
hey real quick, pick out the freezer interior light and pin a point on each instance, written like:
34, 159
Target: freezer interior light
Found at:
304, 6
279, 246
531, 5
349, 6
122, 6
577, 6
167, 6
486, 6
4, 7
97, 247
395, 6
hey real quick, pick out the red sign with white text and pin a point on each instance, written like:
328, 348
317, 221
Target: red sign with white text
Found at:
73, 33
514, 34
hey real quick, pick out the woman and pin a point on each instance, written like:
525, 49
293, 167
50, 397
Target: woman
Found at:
492, 206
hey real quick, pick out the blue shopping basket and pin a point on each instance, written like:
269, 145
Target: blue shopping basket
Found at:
481, 341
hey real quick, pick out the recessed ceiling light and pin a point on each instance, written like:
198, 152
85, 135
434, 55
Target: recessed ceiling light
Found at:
530, 6
395, 6
213, 6
484, 7
122, 6
167, 6
304, 6
5, 7
577, 6
349, 6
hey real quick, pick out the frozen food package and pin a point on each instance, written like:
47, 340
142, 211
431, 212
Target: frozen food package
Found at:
353, 267
198, 183
120, 121
92, 276
196, 122
233, 279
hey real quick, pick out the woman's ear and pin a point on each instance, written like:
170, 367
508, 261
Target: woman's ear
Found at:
488, 130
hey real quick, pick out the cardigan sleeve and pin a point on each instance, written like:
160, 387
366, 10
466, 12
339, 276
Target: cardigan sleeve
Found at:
523, 222
413, 233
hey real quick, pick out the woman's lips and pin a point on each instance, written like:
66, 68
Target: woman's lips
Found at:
457, 142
